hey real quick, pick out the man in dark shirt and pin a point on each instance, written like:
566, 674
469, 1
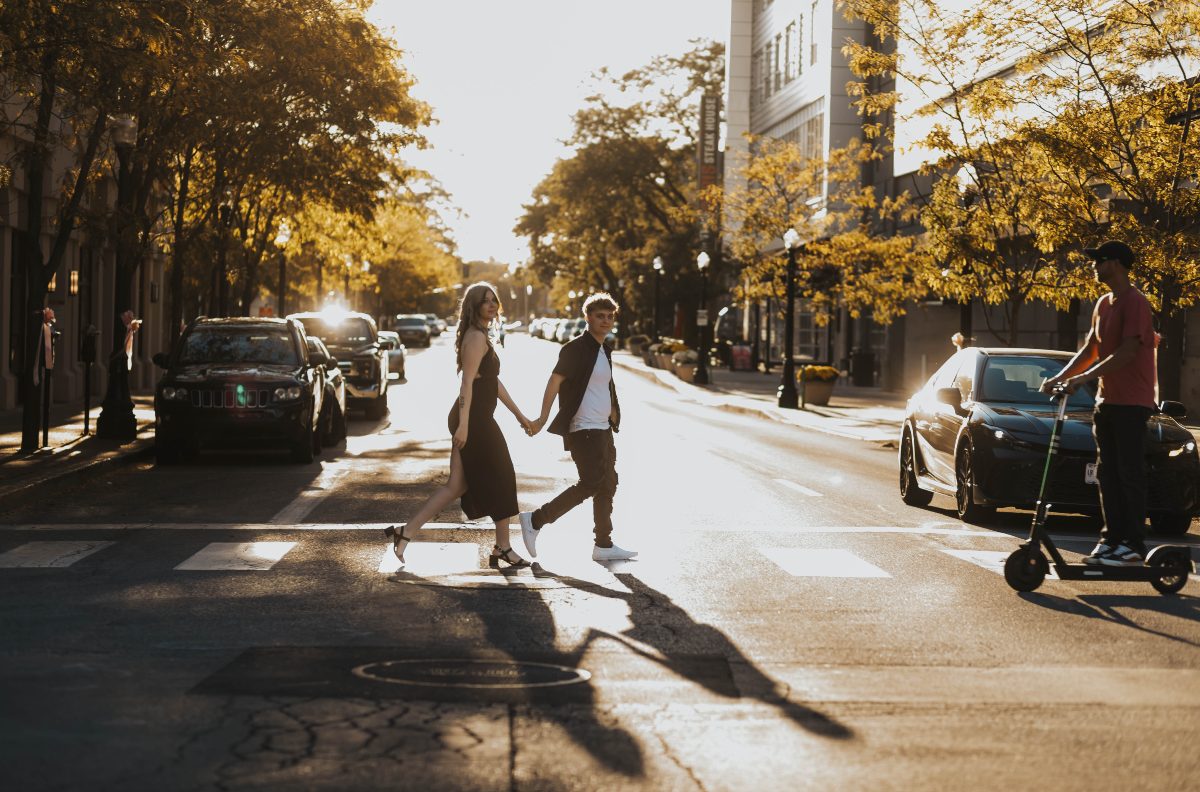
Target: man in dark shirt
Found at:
588, 415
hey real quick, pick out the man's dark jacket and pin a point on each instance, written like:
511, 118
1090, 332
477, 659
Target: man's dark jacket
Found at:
575, 362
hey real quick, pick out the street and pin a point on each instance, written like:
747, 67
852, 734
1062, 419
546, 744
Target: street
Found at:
239, 623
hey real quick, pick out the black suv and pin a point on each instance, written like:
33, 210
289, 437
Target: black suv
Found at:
361, 354
239, 382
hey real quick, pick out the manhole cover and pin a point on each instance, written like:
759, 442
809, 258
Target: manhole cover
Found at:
381, 672
457, 673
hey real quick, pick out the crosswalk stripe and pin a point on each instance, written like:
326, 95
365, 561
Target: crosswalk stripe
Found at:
49, 554
432, 558
803, 490
825, 562
237, 556
991, 560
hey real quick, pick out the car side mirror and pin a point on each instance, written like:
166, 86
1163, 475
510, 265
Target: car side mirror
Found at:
386, 343
318, 359
163, 360
951, 396
1173, 408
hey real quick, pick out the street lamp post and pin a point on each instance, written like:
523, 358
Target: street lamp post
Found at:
658, 268
281, 241
701, 377
116, 419
788, 398
528, 293
347, 260
225, 219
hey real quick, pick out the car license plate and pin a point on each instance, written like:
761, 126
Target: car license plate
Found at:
1089, 473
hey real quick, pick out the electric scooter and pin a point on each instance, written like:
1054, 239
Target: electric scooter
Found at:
1167, 566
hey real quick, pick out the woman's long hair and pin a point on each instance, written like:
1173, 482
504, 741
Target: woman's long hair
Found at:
468, 314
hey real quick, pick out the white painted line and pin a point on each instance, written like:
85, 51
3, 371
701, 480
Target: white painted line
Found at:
237, 556
433, 558
265, 527
803, 490
821, 563
991, 560
49, 554
312, 496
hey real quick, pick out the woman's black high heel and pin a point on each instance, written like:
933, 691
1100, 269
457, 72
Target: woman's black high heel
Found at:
398, 537
508, 556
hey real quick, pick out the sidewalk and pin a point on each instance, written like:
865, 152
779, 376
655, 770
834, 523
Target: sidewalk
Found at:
871, 414
68, 454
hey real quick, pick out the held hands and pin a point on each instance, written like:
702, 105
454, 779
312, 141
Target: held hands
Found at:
531, 427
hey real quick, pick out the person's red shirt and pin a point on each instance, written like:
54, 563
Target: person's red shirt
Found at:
1113, 322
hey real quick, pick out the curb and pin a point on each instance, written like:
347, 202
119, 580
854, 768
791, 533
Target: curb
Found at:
138, 450
692, 391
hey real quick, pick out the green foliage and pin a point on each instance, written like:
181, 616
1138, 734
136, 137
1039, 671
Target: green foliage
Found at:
627, 193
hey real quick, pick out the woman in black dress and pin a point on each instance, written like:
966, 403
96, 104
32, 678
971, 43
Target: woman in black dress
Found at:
481, 470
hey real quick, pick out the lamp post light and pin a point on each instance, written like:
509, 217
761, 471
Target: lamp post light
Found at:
788, 398
658, 268
701, 378
116, 419
281, 240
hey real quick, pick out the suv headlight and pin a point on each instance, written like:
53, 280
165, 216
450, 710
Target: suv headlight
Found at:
174, 394
287, 394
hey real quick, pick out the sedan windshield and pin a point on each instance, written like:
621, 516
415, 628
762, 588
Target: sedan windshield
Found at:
352, 331
239, 345
1017, 379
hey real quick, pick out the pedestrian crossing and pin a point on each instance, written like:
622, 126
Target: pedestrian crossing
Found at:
464, 562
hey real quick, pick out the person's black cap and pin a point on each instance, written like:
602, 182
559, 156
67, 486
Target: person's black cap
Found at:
1113, 249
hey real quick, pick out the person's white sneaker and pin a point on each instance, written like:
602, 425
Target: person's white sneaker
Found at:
528, 534
613, 553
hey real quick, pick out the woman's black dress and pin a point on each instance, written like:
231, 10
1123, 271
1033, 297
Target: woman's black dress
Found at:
491, 480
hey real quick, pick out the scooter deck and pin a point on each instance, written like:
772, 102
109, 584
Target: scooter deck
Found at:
1090, 572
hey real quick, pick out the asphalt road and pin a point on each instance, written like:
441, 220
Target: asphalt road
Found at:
790, 624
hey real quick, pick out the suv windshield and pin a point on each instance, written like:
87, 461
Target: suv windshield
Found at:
1017, 379
352, 331
412, 321
239, 345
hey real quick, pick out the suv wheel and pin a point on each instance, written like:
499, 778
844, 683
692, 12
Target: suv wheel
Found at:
377, 407
302, 448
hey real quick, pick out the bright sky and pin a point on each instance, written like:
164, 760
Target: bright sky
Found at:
504, 78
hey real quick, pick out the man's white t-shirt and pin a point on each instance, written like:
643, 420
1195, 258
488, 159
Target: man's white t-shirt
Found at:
596, 408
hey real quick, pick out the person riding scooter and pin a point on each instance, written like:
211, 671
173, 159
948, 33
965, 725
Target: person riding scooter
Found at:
1119, 350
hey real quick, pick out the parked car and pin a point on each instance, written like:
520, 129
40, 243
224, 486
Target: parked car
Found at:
397, 355
240, 382
361, 354
436, 326
413, 329
333, 405
979, 431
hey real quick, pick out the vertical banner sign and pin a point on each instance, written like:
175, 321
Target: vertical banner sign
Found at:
710, 118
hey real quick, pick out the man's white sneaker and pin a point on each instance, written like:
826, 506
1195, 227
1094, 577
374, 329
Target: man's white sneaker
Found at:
528, 533
1098, 552
613, 553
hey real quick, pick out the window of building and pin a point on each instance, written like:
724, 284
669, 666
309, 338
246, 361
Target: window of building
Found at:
812, 35
779, 62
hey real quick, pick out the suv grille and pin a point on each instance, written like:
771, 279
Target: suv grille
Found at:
228, 398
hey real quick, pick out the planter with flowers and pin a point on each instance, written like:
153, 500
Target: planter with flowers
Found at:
637, 343
684, 363
816, 383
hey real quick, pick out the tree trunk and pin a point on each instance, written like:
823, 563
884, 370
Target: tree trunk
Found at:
1173, 328
177, 253
1014, 320
1067, 326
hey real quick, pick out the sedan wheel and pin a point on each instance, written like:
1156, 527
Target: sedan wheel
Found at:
910, 492
964, 499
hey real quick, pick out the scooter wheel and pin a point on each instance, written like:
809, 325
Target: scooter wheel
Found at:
1025, 569
1172, 573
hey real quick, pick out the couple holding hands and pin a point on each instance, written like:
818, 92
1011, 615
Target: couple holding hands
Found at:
481, 470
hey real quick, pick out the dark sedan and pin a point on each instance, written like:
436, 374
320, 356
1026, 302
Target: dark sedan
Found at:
979, 431
247, 383
413, 330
